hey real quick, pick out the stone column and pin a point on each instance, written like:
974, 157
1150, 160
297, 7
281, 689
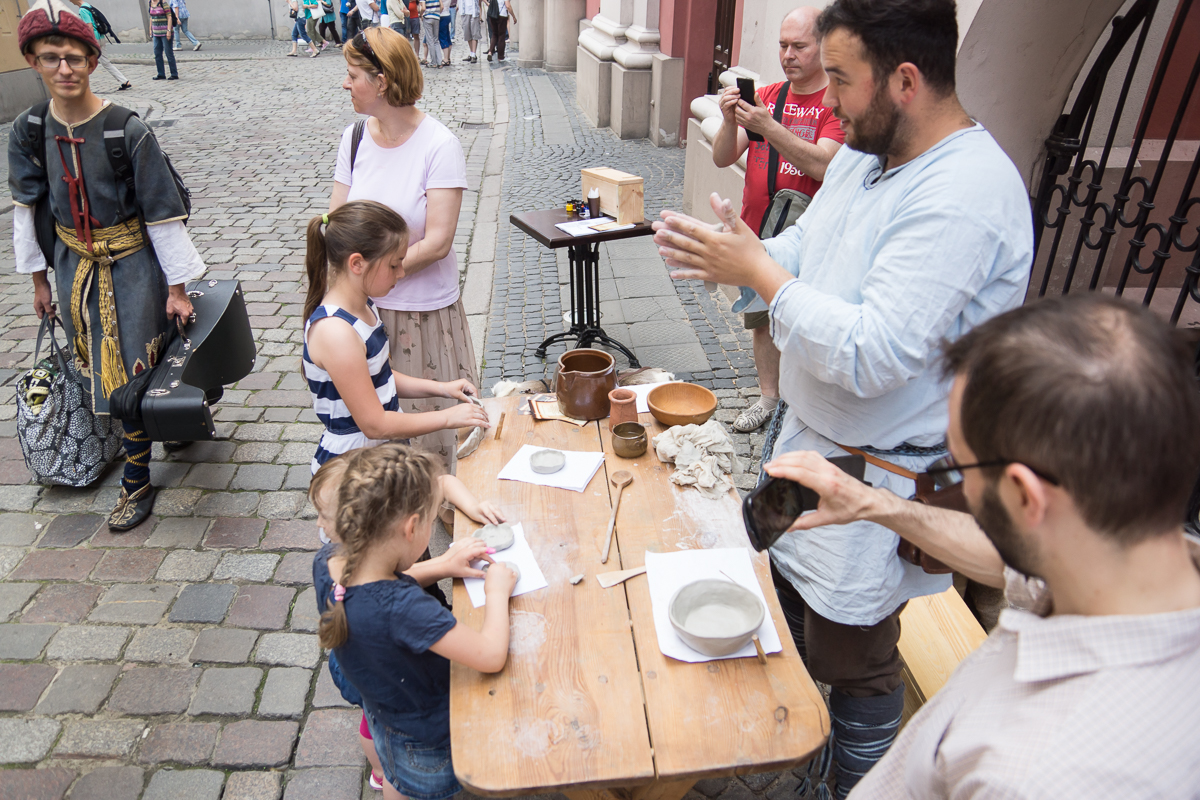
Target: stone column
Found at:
562, 32
531, 51
632, 77
595, 59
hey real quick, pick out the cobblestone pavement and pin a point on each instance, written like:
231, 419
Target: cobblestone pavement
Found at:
179, 660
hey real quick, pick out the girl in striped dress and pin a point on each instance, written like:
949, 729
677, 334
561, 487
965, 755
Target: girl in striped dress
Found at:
355, 252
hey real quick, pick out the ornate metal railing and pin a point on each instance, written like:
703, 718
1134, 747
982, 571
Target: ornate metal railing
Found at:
1088, 234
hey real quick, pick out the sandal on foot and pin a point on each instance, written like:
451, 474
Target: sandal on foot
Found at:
124, 86
375, 783
131, 510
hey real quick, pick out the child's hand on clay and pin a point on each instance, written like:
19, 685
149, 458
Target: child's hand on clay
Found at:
456, 562
485, 512
499, 580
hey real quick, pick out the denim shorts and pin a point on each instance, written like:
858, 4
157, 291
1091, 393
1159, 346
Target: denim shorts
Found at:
414, 768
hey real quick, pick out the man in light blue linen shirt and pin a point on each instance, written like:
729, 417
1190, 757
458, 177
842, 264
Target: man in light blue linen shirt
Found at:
921, 231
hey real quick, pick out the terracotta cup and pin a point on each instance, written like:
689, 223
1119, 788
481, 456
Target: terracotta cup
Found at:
622, 407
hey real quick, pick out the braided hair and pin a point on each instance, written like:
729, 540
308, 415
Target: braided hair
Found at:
382, 486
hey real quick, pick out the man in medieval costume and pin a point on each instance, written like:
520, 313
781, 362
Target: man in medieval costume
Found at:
121, 254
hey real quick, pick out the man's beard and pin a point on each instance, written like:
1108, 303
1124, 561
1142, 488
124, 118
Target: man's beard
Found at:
878, 130
995, 521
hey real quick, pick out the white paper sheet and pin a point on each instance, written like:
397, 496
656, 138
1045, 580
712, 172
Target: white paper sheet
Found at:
583, 227
669, 572
532, 578
643, 392
575, 475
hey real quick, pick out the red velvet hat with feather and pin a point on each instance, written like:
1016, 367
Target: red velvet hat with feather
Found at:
54, 18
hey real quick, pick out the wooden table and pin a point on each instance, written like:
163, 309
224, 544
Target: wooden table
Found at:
584, 255
587, 703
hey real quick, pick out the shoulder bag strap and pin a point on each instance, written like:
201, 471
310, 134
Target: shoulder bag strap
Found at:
37, 130
773, 154
114, 144
879, 462
360, 128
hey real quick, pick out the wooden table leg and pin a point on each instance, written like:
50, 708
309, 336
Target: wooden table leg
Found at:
658, 790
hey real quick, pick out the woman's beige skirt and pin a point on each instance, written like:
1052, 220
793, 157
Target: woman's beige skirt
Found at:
435, 345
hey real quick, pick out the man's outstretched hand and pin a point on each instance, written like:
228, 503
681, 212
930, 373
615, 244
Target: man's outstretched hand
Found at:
728, 252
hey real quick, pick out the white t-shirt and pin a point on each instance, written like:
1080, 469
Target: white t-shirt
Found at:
366, 12
398, 177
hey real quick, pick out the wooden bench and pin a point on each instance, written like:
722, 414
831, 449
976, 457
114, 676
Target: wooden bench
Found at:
936, 633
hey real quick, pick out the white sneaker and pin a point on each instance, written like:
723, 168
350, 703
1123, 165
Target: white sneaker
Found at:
375, 783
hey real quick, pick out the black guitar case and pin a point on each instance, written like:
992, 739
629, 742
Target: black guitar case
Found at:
215, 351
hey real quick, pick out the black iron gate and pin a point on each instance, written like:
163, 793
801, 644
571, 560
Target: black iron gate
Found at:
1102, 225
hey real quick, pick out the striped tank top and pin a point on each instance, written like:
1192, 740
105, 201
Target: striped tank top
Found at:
341, 434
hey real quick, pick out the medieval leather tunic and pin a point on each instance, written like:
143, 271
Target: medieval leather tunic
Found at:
139, 286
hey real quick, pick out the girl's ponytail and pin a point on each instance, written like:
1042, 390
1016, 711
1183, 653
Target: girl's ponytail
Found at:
316, 265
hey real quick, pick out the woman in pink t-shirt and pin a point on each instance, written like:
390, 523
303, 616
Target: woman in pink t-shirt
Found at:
412, 163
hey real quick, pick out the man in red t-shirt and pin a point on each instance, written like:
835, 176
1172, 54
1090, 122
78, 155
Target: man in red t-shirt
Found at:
806, 141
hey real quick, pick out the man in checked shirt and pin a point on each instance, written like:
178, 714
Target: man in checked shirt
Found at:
1075, 425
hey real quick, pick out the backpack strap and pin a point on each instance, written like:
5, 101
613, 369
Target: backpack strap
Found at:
360, 128
114, 144
773, 154
37, 130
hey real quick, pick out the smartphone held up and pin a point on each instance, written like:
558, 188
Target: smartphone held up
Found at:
775, 503
746, 88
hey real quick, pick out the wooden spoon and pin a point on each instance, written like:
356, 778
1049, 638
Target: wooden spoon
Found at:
619, 479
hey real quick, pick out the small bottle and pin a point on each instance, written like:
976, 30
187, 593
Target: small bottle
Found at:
570, 206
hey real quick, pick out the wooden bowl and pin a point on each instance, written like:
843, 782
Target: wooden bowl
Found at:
681, 404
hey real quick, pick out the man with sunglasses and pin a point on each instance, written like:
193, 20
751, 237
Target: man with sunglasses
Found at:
1075, 425
125, 255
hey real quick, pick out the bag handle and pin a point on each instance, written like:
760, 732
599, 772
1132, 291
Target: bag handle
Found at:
773, 154
49, 321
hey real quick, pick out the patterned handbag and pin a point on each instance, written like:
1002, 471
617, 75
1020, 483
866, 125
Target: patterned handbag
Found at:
63, 442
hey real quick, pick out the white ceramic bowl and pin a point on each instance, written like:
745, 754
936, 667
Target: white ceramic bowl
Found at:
715, 617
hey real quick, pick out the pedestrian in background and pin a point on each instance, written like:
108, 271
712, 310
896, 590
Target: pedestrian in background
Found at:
414, 25
431, 20
181, 25
349, 29
368, 14
162, 23
85, 13
444, 37
498, 14
312, 17
328, 26
470, 28
453, 16
298, 32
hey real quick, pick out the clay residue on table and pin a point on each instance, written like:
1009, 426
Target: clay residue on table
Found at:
704, 523
526, 634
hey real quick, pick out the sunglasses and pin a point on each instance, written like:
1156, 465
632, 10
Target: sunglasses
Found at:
363, 46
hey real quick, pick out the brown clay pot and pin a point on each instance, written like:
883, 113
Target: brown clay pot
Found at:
623, 407
629, 439
585, 377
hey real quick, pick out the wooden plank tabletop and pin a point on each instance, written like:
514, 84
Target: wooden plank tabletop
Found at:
566, 711
733, 716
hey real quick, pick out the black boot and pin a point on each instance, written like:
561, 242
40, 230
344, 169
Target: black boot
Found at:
863, 730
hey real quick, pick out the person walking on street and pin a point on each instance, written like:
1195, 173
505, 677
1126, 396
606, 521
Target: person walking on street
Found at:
445, 38
138, 226
298, 32
498, 14
85, 13
414, 24
162, 25
328, 25
803, 141
453, 17
368, 14
312, 17
470, 28
431, 20
181, 25
349, 13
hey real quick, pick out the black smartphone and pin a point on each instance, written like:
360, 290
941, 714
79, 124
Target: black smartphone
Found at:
775, 503
746, 87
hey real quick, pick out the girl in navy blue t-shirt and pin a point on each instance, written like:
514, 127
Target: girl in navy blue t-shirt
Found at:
393, 641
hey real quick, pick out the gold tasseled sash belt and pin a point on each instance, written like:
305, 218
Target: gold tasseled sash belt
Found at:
108, 245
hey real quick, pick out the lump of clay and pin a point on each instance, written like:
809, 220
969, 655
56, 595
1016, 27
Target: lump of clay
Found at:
547, 462
498, 537
516, 570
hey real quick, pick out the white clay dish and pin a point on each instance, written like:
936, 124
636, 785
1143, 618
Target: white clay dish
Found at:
547, 462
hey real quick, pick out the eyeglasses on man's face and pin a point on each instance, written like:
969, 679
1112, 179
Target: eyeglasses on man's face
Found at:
52, 61
951, 468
